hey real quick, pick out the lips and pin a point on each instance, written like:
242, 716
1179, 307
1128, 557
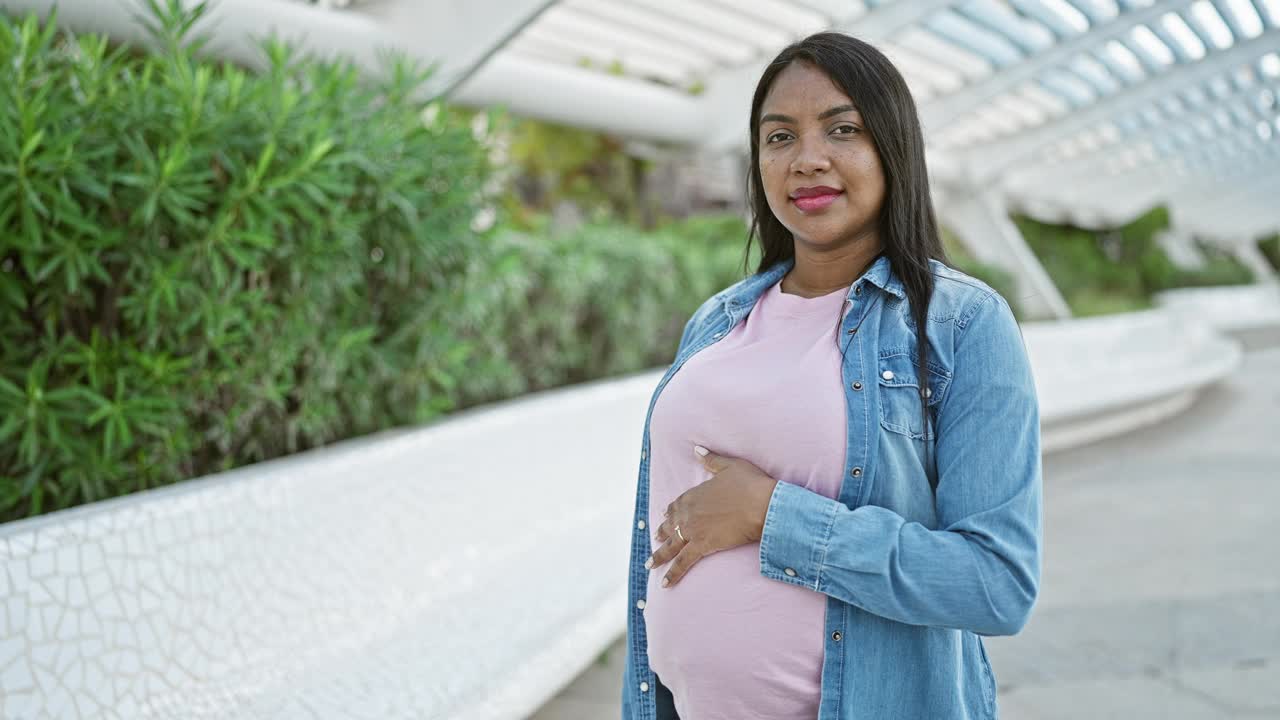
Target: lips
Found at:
815, 198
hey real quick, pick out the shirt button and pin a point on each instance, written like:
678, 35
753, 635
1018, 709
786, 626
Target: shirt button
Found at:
644, 687
928, 392
640, 525
887, 374
643, 454
640, 604
790, 572
836, 636
856, 472
719, 335
857, 386
857, 290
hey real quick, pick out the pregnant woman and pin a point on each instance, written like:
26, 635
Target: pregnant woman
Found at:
839, 487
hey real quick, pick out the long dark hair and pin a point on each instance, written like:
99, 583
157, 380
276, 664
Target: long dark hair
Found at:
907, 225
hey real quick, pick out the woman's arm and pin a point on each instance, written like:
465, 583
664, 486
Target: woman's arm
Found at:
981, 570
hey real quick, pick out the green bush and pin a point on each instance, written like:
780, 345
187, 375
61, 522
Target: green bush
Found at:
202, 267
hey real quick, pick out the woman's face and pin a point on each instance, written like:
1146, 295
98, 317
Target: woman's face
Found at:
821, 171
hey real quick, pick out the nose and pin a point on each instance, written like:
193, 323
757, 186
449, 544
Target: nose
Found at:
810, 158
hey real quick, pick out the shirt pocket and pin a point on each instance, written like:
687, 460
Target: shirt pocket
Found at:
900, 393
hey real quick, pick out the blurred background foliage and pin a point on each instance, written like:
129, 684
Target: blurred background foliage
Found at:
203, 267
1119, 270
550, 165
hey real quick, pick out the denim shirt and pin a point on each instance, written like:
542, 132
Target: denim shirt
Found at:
914, 575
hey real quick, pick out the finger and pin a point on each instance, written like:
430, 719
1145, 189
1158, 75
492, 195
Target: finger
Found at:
715, 463
689, 555
663, 533
661, 556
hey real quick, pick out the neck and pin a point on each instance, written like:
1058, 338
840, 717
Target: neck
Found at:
819, 273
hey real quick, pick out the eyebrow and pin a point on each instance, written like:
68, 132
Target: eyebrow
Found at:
775, 117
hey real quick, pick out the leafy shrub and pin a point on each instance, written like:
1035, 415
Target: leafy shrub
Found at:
202, 267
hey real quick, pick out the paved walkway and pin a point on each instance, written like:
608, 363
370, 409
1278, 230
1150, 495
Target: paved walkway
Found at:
1161, 589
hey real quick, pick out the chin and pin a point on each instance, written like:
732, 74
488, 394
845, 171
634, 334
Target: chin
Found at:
816, 236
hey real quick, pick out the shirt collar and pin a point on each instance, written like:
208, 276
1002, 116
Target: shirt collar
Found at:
747, 291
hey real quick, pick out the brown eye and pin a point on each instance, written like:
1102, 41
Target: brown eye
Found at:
772, 137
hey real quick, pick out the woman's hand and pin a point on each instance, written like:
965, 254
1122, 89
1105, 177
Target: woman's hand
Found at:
722, 513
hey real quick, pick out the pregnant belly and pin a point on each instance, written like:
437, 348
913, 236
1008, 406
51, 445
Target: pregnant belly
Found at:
724, 622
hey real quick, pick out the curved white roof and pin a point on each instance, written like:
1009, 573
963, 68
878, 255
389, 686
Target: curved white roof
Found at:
1098, 108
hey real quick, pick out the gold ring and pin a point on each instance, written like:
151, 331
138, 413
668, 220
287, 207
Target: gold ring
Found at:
680, 534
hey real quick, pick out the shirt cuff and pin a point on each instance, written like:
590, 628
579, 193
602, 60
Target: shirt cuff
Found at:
797, 529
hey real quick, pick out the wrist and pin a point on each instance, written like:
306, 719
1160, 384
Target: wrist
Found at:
766, 489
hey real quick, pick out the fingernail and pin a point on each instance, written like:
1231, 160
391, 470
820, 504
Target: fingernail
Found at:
700, 450
648, 564
666, 582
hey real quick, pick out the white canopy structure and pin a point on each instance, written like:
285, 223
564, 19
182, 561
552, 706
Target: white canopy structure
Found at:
1081, 111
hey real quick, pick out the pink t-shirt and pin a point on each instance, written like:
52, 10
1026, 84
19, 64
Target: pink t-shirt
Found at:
728, 642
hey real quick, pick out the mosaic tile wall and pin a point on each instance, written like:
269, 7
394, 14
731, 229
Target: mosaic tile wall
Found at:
467, 570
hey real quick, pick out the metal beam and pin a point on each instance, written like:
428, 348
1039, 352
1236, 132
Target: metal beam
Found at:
1095, 175
473, 32
545, 90
461, 34
987, 161
584, 98
940, 112
236, 27
1092, 163
1130, 193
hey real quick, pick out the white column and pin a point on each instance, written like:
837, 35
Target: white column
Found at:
1246, 251
982, 221
1178, 244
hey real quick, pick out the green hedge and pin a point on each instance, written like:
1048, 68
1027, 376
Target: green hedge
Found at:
1119, 270
202, 267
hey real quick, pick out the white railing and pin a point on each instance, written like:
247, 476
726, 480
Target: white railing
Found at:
467, 570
